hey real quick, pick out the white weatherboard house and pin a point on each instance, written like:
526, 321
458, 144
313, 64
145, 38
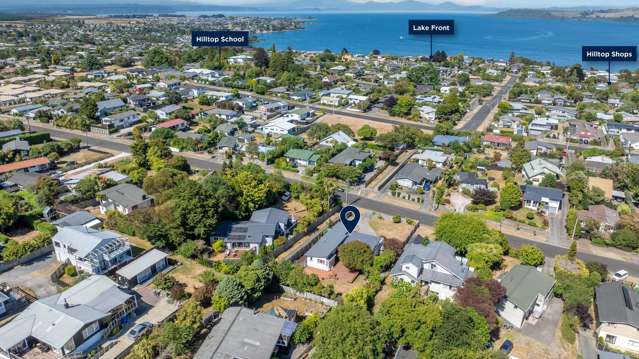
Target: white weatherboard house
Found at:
90, 250
544, 199
435, 265
323, 254
528, 291
617, 307
71, 322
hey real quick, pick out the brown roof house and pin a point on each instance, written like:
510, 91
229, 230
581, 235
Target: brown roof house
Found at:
607, 218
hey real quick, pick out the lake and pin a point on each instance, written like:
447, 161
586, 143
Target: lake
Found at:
483, 35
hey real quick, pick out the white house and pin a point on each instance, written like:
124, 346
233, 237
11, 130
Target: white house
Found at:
280, 126
123, 198
335, 138
434, 265
90, 250
528, 292
323, 254
617, 310
544, 199
438, 158
537, 169
427, 113
121, 120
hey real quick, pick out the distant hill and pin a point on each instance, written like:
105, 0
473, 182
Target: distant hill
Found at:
617, 14
168, 6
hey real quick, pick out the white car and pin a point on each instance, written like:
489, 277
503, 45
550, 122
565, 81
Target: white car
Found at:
620, 276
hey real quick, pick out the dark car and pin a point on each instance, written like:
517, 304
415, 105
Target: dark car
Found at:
506, 346
139, 330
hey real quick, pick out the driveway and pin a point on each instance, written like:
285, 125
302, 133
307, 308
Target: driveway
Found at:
544, 330
34, 275
557, 226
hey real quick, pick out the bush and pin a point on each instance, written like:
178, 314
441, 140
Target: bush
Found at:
397, 219
70, 271
305, 330
355, 255
164, 281
188, 249
218, 246
530, 255
530, 215
569, 327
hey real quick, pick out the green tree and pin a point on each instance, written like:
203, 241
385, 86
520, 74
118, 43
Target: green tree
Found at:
255, 278
355, 255
625, 238
408, 318
251, 188
89, 109
232, 290
573, 225
304, 331
261, 58
549, 180
367, 132
8, 210
577, 182
460, 329
47, 189
194, 212
460, 230
519, 156
510, 196
90, 62
530, 255
484, 256
156, 57
424, 74
572, 251
348, 331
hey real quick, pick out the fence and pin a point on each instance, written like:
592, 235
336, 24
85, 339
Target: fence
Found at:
395, 171
311, 227
40, 252
307, 245
309, 296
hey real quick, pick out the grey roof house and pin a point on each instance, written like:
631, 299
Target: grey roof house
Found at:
109, 106
90, 250
413, 175
70, 322
142, 268
544, 199
351, 156
528, 291
323, 254
617, 313
261, 229
123, 198
435, 265
79, 218
241, 333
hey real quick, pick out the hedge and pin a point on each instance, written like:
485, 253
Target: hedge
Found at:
34, 138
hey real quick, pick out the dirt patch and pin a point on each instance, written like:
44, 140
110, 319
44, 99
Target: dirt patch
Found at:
387, 229
506, 266
356, 123
188, 273
302, 306
25, 237
342, 286
296, 209
84, 157
426, 231
528, 348
384, 293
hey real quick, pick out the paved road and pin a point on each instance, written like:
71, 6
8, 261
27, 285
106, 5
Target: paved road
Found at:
326, 109
368, 203
548, 249
480, 116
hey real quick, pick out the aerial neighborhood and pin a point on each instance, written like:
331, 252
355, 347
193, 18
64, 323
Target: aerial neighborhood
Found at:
159, 200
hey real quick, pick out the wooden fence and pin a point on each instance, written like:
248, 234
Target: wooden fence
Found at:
309, 296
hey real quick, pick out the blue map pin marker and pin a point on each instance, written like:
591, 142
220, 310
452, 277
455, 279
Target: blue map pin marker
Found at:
350, 217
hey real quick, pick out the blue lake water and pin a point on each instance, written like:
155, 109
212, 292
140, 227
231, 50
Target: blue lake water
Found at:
484, 35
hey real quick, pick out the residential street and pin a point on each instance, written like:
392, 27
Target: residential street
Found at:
549, 249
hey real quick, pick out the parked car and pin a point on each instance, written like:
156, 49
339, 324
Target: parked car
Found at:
506, 347
139, 330
620, 276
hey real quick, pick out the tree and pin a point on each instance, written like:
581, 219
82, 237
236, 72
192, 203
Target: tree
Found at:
408, 318
572, 251
461, 329
424, 74
156, 57
348, 331
484, 256
89, 109
261, 58
519, 156
483, 196
510, 196
483, 296
530, 255
355, 255
8, 210
577, 182
163, 180
460, 230
573, 225
439, 56
90, 62
304, 331
194, 212
549, 180
47, 189
367, 132
251, 188
625, 238
232, 290
255, 278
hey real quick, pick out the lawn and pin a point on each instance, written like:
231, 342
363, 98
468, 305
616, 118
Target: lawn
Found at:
188, 272
387, 229
520, 216
84, 157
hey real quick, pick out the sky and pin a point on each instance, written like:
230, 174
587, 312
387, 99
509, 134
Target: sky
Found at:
498, 3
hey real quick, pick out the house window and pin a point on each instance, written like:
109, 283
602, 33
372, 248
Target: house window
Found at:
88, 331
611, 339
57, 244
633, 343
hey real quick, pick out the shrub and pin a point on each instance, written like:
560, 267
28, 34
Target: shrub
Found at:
164, 281
355, 255
410, 221
70, 271
530, 255
305, 330
530, 215
569, 328
218, 246
188, 249
397, 219
177, 291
